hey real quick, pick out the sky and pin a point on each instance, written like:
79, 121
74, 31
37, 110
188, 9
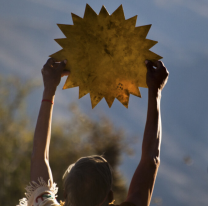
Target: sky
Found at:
28, 30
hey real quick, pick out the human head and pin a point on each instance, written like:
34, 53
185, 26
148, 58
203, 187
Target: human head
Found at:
87, 182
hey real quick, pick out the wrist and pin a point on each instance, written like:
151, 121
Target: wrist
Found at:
49, 93
156, 92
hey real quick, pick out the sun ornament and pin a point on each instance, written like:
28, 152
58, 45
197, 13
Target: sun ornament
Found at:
106, 55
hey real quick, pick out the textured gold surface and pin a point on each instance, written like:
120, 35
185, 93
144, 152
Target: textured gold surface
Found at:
106, 55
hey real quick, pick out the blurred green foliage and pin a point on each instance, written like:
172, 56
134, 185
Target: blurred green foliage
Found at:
15, 140
78, 136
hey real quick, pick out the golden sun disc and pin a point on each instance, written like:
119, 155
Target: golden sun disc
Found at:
106, 55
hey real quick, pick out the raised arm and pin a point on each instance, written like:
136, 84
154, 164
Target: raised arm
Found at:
142, 184
52, 73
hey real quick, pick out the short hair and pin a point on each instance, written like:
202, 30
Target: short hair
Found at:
87, 182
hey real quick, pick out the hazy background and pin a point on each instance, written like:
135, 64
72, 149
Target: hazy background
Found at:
28, 28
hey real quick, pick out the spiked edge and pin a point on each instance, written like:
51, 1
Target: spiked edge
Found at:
76, 19
144, 30
104, 12
109, 100
93, 96
89, 12
119, 13
82, 92
122, 102
132, 20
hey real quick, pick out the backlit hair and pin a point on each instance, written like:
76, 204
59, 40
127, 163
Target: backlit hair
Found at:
87, 182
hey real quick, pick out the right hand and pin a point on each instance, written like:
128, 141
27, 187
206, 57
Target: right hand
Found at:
52, 72
156, 77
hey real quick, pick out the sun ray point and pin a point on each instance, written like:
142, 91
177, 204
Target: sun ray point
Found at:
83, 91
103, 12
110, 100
76, 19
95, 99
119, 13
89, 13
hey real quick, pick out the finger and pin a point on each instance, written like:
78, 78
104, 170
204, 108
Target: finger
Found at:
50, 61
149, 65
57, 65
161, 67
158, 64
61, 66
65, 73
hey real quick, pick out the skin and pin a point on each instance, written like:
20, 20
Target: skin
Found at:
52, 73
142, 184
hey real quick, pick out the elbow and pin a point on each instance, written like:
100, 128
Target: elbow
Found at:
156, 161
152, 160
152, 156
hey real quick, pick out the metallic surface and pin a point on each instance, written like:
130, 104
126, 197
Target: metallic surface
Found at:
106, 55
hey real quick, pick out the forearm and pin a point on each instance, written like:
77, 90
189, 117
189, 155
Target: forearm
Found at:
152, 134
142, 184
40, 155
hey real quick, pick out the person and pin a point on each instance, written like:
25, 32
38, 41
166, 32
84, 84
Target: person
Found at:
88, 182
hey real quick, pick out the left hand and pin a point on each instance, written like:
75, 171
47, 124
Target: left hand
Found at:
52, 72
157, 75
